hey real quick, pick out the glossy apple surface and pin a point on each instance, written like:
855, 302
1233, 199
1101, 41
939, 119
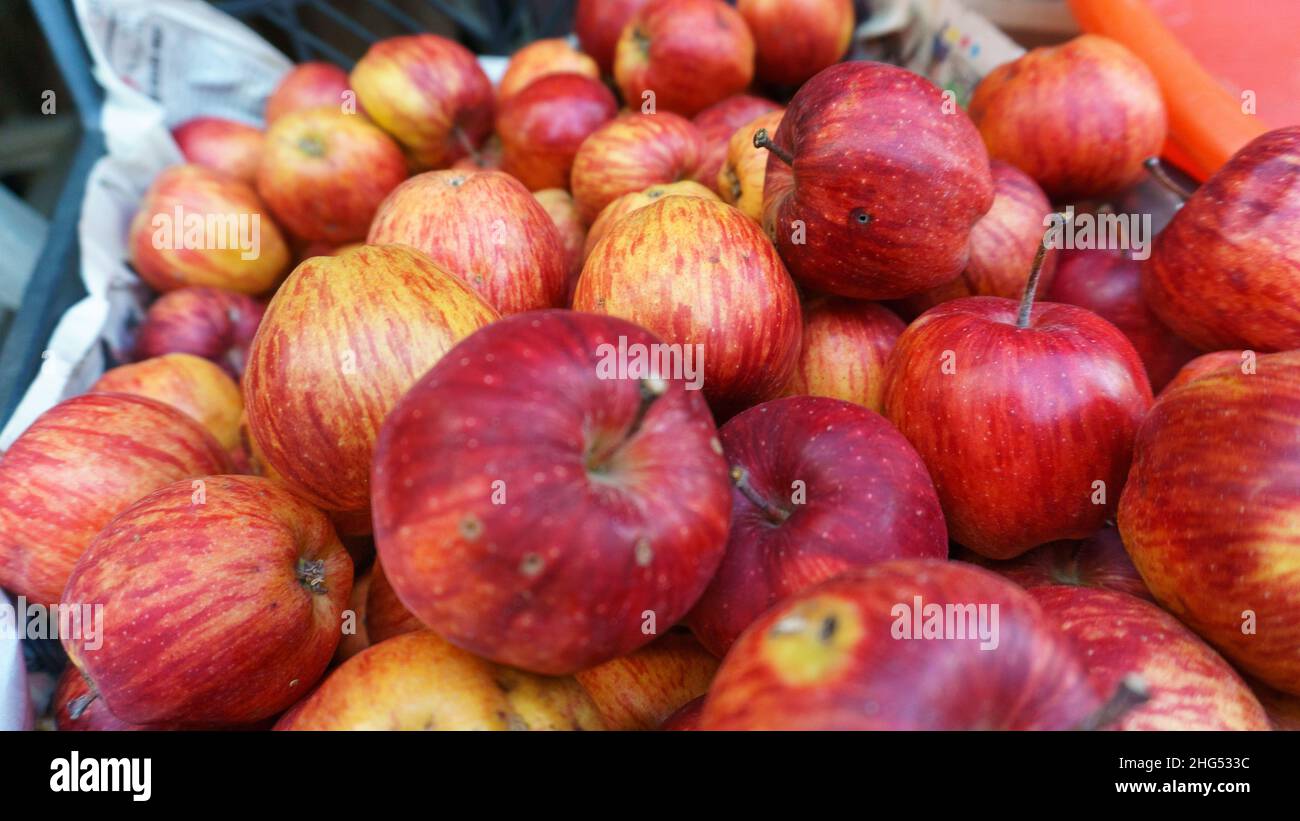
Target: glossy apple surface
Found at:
196, 387
1208, 363
215, 324
223, 145
598, 24
846, 343
542, 126
631, 153
636, 200
740, 181
1097, 561
385, 614
795, 39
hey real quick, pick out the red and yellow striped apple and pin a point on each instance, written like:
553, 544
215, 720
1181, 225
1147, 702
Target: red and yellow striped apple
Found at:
631, 153
598, 24
223, 145
1097, 561
635, 200
215, 324
718, 122
1208, 363
846, 343
795, 39
191, 384
641, 690
307, 85
542, 126
563, 211
740, 180
539, 59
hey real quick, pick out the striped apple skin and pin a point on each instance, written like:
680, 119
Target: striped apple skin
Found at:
207, 614
342, 340
1211, 513
1190, 686
307, 85
630, 153
563, 211
541, 58
718, 123
1097, 561
740, 180
846, 343
386, 616
429, 93
542, 129
627, 203
640, 691
697, 271
215, 324
191, 384
826, 660
227, 146
485, 228
80, 464
198, 190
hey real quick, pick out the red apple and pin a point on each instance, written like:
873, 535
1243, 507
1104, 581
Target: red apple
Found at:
740, 180
325, 172
718, 123
354, 642
385, 613
846, 343
1211, 513
537, 509
1080, 118
420, 682
820, 486
1283, 709
341, 342
80, 464
1188, 685
208, 322
76, 709
487, 157
1109, 284
222, 145
542, 126
429, 93
701, 274
222, 604
196, 387
598, 24
1097, 561
685, 719
795, 39
1225, 272
484, 227
639, 691
563, 211
844, 655
196, 226
1209, 363
637, 200
307, 85
631, 153
855, 208
540, 58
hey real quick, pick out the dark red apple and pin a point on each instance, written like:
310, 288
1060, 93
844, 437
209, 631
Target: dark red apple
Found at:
208, 322
686, 718
598, 24
1097, 561
542, 126
795, 39
718, 123
551, 55
1208, 363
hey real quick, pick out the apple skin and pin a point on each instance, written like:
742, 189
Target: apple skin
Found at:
1097, 561
215, 324
351, 644
541, 58
699, 272
222, 612
639, 691
385, 613
563, 211
689, 53
1109, 284
826, 660
313, 410
93, 716
1028, 419
846, 343
1225, 272
420, 682
868, 499
598, 24
193, 385
1190, 687
1205, 364
718, 123
570, 571
429, 93
1211, 512
795, 39
324, 173
542, 126
1283, 709
685, 719
80, 464
222, 145
486, 158
883, 217
200, 191
636, 200
307, 85
1091, 94
631, 153
740, 181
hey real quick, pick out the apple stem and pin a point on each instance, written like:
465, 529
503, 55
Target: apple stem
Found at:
311, 573
740, 478
79, 705
1157, 170
651, 389
1031, 284
761, 140
1131, 692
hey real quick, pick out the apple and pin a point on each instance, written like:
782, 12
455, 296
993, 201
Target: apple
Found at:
487, 157
1188, 685
846, 343
1211, 513
685, 719
1283, 709
641, 690
542, 126
598, 24
718, 123
740, 180
307, 85
385, 613
196, 226
77, 466
420, 682
855, 208
222, 604
352, 643
1225, 272
1097, 561
485, 228
701, 274
631, 153
540, 58
1025, 416
563, 211
820, 486
429, 93
215, 324
222, 145
342, 340
636, 200
844, 655
1080, 118
545, 505
191, 384
683, 56
76, 709
324, 173
1206, 364
795, 39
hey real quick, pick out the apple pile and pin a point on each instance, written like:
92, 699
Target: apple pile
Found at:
690, 378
